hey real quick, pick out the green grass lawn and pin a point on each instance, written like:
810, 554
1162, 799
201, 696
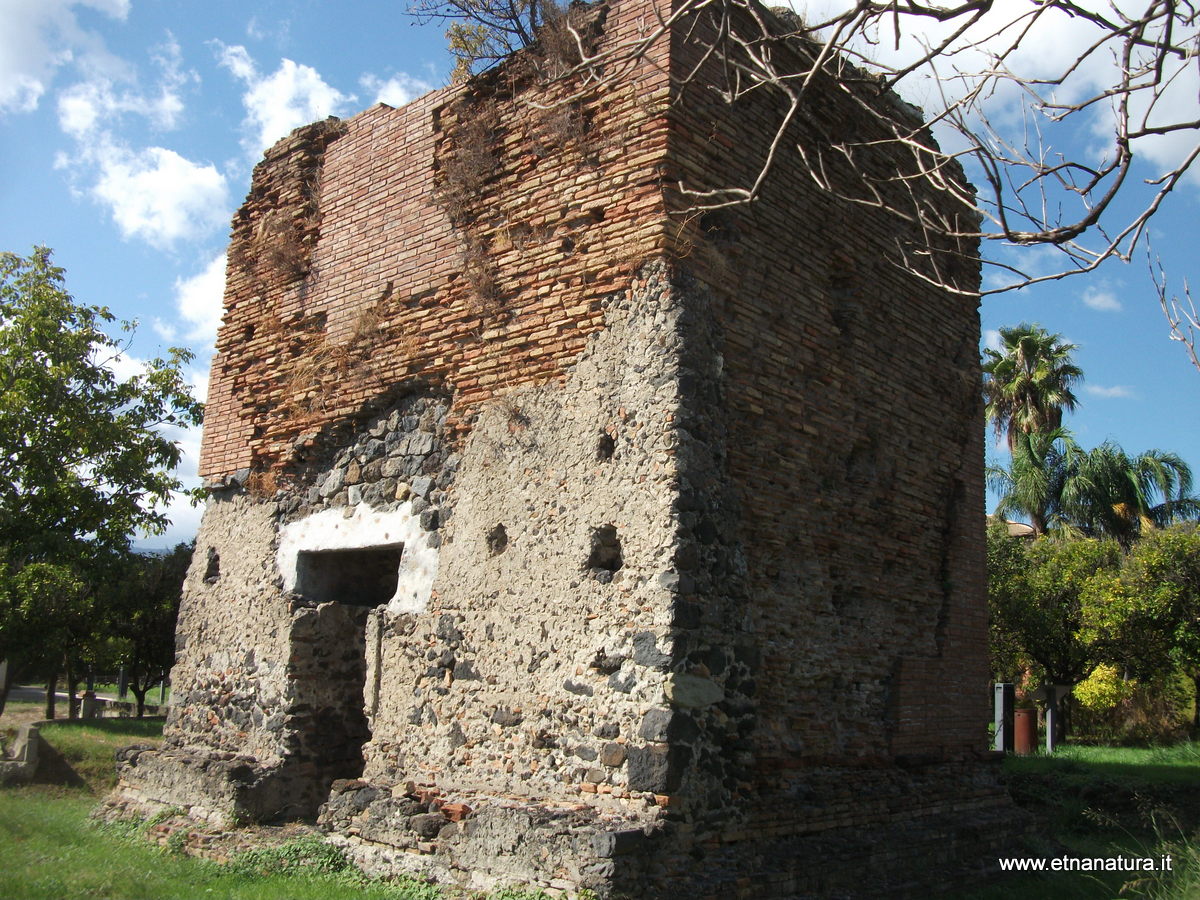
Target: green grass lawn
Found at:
1091, 801
1107, 802
88, 746
51, 850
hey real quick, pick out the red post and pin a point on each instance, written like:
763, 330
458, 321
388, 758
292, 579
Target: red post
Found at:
1025, 732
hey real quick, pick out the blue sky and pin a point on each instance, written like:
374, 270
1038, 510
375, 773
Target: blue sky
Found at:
129, 128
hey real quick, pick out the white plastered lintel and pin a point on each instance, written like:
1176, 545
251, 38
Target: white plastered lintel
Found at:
332, 529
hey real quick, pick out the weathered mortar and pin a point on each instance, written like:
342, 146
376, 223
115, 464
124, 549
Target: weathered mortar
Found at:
680, 563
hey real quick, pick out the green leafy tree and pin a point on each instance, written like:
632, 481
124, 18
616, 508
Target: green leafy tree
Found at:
47, 616
1056, 485
85, 458
142, 607
1036, 600
1036, 596
1146, 618
1028, 382
1005, 568
1032, 485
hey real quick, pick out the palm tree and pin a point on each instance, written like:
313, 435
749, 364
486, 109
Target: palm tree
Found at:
1107, 493
1032, 485
1027, 383
1099, 493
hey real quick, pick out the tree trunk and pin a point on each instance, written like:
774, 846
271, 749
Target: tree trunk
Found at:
1196, 702
6, 683
72, 689
51, 688
1038, 522
139, 689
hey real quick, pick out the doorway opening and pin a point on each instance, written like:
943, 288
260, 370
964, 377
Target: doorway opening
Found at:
330, 660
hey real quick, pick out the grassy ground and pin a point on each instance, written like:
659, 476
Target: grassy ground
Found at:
1109, 803
51, 850
1093, 802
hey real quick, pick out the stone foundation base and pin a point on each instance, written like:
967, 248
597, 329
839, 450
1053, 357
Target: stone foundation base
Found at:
222, 789
20, 763
490, 842
482, 843
917, 842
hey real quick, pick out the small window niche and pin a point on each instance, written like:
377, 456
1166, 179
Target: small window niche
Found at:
362, 576
606, 447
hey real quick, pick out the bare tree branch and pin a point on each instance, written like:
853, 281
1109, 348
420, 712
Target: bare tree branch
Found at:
1181, 313
1005, 114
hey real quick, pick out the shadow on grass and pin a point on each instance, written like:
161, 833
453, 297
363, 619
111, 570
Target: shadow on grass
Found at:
53, 768
88, 746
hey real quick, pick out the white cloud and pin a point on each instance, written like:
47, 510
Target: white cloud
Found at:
255, 30
277, 30
184, 517
38, 37
96, 102
1101, 299
991, 339
397, 90
122, 365
1177, 103
291, 96
199, 379
153, 193
1115, 392
157, 195
237, 60
200, 301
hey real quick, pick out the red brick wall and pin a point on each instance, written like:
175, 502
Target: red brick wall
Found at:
854, 458
567, 210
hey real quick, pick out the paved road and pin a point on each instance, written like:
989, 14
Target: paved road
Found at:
29, 694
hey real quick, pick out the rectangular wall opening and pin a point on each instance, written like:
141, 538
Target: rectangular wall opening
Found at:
361, 576
329, 663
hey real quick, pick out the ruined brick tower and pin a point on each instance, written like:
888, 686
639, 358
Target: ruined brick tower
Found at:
557, 536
